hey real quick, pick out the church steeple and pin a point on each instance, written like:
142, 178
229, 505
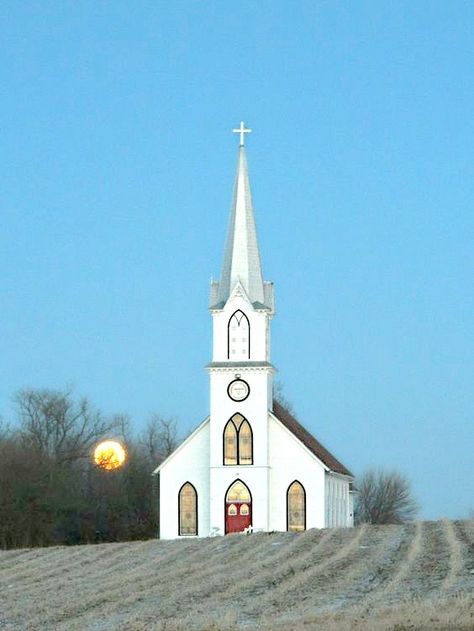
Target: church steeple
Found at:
242, 256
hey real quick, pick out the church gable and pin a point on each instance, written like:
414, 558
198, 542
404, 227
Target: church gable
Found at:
187, 446
308, 440
182, 484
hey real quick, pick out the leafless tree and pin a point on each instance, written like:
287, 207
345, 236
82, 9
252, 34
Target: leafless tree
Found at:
384, 498
4, 430
52, 423
280, 396
160, 438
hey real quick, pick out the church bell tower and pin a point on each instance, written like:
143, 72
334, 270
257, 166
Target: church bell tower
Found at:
242, 306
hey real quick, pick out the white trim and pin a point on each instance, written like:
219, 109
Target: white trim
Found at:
179, 447
239, 292
271, 369
344, 476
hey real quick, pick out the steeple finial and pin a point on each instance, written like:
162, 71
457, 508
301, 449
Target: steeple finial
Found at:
242, 130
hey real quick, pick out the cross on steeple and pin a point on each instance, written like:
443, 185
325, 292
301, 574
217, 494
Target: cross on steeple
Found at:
241, 130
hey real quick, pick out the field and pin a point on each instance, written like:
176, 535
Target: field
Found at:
417, 576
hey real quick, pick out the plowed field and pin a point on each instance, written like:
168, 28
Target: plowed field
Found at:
417, 576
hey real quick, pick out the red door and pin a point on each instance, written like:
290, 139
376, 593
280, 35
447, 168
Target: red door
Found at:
238, 516
238, 508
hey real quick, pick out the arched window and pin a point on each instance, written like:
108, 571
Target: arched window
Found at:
238, 336
296, 507
245, 443
230, 443
238, 492
238, 441
187, 510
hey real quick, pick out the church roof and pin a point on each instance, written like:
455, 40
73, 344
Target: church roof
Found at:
241, 255
308, 440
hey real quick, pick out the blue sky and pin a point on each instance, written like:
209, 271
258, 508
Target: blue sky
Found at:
116, 175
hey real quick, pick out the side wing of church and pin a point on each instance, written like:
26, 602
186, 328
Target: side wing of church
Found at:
250, 464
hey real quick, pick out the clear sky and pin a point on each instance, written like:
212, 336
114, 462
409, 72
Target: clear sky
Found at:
117, 165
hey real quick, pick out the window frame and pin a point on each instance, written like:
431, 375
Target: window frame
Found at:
238, 324
180, 534
237, 433
288, 506
244, 464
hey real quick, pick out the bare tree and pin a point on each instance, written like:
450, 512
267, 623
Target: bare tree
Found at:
384, 498
4, 430
280, 396
160, 438
55, 425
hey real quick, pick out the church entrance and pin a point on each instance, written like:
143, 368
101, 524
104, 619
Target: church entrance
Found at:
238, 508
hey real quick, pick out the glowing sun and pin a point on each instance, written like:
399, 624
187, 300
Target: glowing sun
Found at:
109, 455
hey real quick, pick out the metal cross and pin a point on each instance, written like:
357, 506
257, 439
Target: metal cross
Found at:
241, 131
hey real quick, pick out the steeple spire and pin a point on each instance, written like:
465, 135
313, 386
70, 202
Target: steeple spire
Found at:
241, 255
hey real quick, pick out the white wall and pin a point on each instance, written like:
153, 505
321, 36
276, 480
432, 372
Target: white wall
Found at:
259, 331
339, 502
254, 409
189, 463
290, 460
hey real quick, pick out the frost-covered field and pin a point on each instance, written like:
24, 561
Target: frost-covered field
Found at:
418, 576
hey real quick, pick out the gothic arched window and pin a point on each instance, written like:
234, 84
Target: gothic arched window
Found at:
238, 441
238, 336
245, 443
230, 443
238, 492
187, 510
296, 507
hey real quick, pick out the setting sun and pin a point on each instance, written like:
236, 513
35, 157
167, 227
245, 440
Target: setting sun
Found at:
109, 455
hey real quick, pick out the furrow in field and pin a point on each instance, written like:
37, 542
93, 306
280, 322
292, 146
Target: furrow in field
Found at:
117, 587
20, 573
455, 559
368, 571
352, 576
192, 574
51, 588
426, 576
288, 581
70, 562
465, 533
193, 590
14, 557
393, 574
281, 576
91, 579
218, 584
112, 556
30, 557
465, 536
314, 546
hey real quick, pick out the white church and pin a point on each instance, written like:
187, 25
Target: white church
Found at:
250, 465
